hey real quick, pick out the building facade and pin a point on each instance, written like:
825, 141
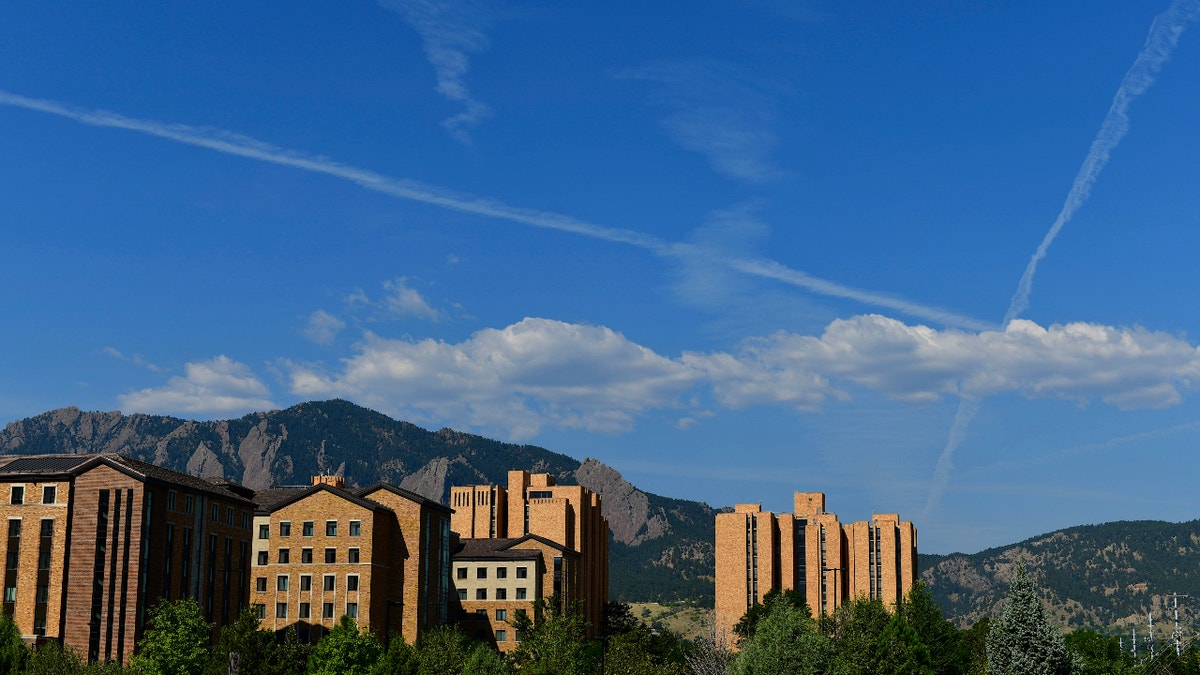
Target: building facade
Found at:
811, 552
568, 517
380, 555
94, 541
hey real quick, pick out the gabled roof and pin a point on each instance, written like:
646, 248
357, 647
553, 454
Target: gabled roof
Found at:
505, 549
44, 464
407, 494
69, 466
271, 503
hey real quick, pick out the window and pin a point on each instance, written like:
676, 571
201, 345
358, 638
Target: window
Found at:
171, 500
14, 527
305, 582
462, 594
352, 582
308, 528
260, 584
520, 593
10, 560
352, 610
501, 572
481, 594
262, 557
461, 573
330, 582
189, 504
44, 560
355, 528
18, 494
229, 515
481, 573
501, 635
216, 513
331, 528
501, 593
285, 529
522, 572
281, 610
43, 593
330, 555
281, 582
502, 615
481, 614
264, 531
245, 519
352, 555
47, 527
260, 611
285, 556
10, 593
306, 555
541, 494
327, 610
304, 610
49, 494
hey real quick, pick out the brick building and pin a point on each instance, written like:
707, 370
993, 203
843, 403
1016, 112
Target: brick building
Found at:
811, 552
95, 540
571, 540
380, 555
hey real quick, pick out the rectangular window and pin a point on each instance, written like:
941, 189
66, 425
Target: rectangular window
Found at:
171, 500
264, 531
481, 594
330, 555
306, 555
304, 610
44, 560
327, 610
520, 593
352, 582
305, 582
522, 572
281, 610
461, 573
245, 519
262, 557
352, 555
501, 635
47, 527
281, 582
501, 593
189, 504
18, 494
501, 572
308, 528
260, 584
462, 594
541, 494
216, 513
285, 529
329, 581
229, 515
10, 593
285, 556
331, 528
352, 610
43, 593
481, 573
355, 528
49, 494
481, 614
14, 527
260, 611
10, 560
502, 615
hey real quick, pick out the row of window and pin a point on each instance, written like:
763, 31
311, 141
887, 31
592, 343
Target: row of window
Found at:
328, 583
331, 529
284, 556
49, 494
304, 610
499, 594
501, 572
189, 506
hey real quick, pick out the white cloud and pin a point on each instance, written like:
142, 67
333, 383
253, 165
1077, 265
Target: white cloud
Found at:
323, 327
220, 386
404, 301
135, 359
450, 30
534, 373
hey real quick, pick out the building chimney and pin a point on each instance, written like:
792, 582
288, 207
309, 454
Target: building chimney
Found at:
331, 481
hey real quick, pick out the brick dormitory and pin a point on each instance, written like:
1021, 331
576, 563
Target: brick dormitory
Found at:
95, 540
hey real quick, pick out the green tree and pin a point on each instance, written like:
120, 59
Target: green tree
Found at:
1023, 641
442, 651
974, 643
52, 658
553, 642
637, 651
345, 650
855, 630
13, 652
1098, 654
785, 639
291, 655
176, 641
948, 655
901, 650
746, 625
399, 658
483, 660
255, 647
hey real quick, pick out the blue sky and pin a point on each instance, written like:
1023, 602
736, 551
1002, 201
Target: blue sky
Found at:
733, 249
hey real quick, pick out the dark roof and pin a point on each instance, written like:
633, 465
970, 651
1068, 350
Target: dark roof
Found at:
503, 549
407, 494
272, 503
156, 472
45, 464
73, 465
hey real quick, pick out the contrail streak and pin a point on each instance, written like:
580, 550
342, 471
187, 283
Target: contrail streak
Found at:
244, 146
1160, 42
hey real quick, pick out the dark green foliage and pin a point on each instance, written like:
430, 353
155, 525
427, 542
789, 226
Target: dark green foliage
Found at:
290, 657
1099, 654
255, 648
554, 642
176, 640
745, 627
399, 658
345, 650
640, 652
901, 651
1022, 641
947, 652
855, 632
785, 640
483, 660
52, 658
13, 652
443, 650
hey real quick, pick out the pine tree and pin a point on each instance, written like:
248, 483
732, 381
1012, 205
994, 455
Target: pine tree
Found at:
1023, 641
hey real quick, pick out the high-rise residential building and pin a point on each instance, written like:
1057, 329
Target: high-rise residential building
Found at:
380, 555
94, 541
569, 538
809, 551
